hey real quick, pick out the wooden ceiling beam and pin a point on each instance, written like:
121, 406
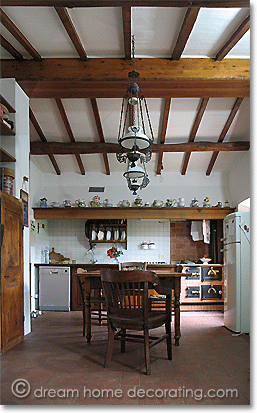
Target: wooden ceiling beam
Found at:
126, 17
163, 133
10, 49
236, 36
10, 26
71, 78
224, 132
70, 29
71, 148
129, 3
70, 133
194, 130
100, 132
186, 28
43, 139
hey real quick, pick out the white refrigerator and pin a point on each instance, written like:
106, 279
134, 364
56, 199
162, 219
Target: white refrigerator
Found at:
237, 272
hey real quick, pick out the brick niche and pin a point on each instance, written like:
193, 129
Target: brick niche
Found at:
181, 244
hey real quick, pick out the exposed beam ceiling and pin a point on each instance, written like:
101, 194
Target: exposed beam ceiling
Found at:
186, 28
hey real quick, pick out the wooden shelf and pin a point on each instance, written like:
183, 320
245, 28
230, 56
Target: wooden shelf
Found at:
7, 104
5, 130
132, 213
5, 156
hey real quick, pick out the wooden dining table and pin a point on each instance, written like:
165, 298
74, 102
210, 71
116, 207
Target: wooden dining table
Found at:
170, 286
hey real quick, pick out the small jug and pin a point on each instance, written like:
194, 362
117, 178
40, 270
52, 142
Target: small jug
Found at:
181, 202
138, 201
67, 203
194, 203
171, 202
55, 204
43, 203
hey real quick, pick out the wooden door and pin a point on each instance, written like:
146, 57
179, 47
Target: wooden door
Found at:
12, 297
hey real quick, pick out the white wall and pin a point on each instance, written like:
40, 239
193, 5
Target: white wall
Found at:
19, 148
239, 178
169, 185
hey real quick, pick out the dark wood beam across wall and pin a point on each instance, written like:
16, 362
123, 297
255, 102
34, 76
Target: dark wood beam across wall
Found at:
43, 139
71, 148
237, 35
224, 132
100, 132
186, 28
128, 3
194, 130
163, 133
10, 49
126, 17
72, 78
70, 29
10, 26
70, 133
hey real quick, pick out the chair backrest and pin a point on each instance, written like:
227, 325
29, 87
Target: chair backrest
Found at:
126, 290
132, 265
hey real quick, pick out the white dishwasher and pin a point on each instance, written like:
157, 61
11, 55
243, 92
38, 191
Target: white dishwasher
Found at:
54, 288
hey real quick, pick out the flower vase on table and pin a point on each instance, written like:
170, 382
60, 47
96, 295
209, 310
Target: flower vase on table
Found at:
114, 253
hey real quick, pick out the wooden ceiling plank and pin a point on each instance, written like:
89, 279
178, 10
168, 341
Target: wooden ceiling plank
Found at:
129, 3
185, 31
70, 133
100, 132
163, 133
224, 132
10, 26
194, 130
126, 17
10, 49
71, 30
236, 36
69, 148
43, 139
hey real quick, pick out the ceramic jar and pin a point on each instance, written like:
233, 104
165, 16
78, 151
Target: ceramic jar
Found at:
80, 202
171, 203
138, 201
194, 203
206, 202
157, 203
125, 203
43, 203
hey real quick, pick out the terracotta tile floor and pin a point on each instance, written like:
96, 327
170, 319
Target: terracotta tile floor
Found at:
209, 367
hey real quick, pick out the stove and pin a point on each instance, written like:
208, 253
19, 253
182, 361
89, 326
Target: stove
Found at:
157, 263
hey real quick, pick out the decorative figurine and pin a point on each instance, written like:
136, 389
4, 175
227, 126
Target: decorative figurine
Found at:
206, 202
43, 203
194, 203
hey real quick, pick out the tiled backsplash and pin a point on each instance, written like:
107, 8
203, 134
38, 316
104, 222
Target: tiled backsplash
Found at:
68, 238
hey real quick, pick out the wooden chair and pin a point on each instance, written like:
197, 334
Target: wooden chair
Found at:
132, 265
97, 301
129, 308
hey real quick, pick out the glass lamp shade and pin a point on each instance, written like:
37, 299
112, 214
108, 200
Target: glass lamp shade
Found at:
135, 136
134, 172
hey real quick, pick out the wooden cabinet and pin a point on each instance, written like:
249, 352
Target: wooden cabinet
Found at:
202, 287
12, 297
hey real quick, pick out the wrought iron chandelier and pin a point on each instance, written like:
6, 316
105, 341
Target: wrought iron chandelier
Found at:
135, 140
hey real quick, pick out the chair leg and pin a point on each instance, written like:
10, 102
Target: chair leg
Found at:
84, 320
108, 357
123, 341
168, 339
147, 351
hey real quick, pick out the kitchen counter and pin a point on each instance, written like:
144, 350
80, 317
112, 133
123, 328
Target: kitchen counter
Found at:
76, 303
